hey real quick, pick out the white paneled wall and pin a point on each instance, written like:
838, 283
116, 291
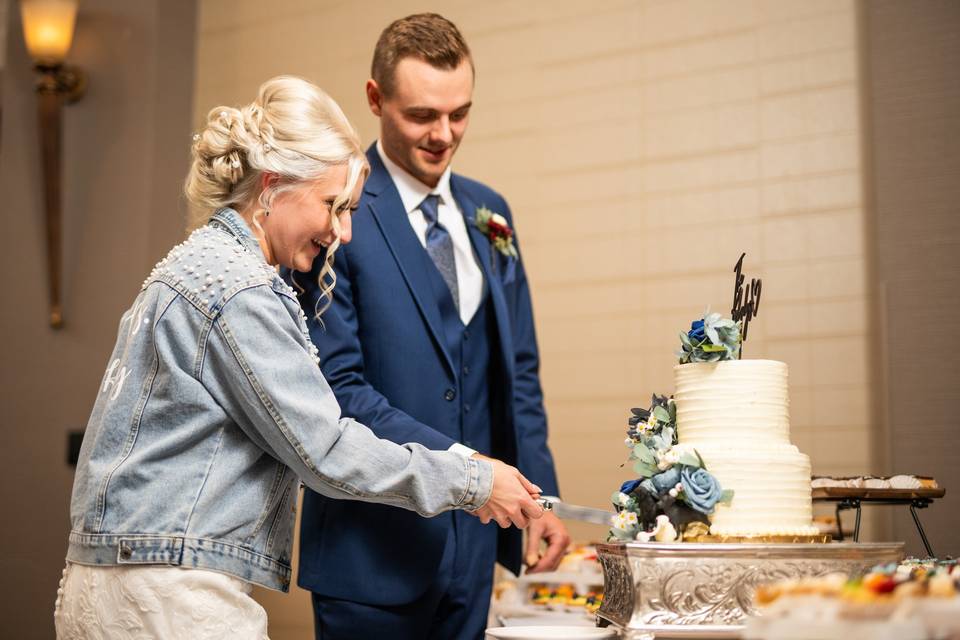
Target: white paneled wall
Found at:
643, 145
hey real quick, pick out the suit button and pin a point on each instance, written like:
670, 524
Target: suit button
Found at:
449, 395
466, 370
466, 408
466, 334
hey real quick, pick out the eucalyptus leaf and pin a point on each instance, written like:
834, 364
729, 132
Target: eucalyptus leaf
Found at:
644, 454
661, 414
669, 434
645, 470
690, 460
726, 496
711, 333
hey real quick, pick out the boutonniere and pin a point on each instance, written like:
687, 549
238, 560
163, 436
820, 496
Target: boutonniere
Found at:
498, 232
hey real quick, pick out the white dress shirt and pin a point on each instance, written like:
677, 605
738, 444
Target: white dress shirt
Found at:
469, 276
412, 193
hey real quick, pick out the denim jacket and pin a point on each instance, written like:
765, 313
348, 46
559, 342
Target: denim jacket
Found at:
211, 412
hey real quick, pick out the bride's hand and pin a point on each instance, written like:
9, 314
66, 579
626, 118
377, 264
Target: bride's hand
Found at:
512, 500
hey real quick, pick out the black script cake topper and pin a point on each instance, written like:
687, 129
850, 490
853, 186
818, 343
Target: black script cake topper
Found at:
746, 300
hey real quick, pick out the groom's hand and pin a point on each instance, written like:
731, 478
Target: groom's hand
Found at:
512, 498
552, 531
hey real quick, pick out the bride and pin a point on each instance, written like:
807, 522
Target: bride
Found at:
213, 410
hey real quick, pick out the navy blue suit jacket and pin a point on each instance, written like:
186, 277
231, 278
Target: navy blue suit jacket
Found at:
383, 353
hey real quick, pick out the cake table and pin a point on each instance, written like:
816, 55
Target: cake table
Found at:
705, 590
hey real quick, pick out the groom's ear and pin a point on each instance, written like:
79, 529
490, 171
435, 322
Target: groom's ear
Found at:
374, 97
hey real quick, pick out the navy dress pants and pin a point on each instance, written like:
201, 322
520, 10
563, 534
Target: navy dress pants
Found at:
454, 607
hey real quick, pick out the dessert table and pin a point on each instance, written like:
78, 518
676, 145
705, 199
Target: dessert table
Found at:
706, 590
855, 497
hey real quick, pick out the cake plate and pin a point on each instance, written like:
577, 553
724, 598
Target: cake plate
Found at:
705, 590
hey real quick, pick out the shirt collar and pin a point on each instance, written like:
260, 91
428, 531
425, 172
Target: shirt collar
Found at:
412, 191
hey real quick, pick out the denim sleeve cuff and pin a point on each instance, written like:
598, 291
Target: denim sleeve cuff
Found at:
479, 484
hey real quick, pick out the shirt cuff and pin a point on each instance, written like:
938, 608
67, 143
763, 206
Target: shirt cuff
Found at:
461, 450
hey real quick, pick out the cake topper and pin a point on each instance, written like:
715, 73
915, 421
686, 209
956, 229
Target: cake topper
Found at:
746, 300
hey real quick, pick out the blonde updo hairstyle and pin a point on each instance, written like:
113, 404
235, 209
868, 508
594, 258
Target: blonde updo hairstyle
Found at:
294, 131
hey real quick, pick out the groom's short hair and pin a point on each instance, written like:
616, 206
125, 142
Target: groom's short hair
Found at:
426, 36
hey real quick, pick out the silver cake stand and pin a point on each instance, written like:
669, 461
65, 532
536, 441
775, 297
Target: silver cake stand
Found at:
705, 590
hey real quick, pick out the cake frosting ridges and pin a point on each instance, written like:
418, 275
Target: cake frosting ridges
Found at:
735, 413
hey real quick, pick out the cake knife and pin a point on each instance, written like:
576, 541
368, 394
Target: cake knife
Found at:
567, 511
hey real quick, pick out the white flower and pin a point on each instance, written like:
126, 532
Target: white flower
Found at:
622, 499
668, 458
673, 492
663, 531
625, 521
499, 219
629, 443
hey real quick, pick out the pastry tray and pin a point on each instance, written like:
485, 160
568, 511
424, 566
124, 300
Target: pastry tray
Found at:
863, 493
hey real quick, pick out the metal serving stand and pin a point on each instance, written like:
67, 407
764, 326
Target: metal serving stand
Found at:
705, 590
854, 498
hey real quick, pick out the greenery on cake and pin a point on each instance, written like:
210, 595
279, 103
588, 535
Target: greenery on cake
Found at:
710, 339
674, 493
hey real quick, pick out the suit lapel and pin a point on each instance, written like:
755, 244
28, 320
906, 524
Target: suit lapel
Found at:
484, 252
387, 211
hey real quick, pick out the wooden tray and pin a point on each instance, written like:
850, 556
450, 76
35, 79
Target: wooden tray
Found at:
840, 493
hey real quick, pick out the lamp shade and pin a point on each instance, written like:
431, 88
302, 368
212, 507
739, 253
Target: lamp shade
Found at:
48, 28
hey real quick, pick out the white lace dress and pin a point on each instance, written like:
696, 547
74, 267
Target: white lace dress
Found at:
137, 603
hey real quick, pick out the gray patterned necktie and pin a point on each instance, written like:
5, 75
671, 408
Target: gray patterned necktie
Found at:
440, 246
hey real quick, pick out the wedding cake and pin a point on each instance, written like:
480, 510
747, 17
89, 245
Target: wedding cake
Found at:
735, 414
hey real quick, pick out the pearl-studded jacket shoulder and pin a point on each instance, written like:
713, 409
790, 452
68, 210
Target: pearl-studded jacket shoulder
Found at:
212, 407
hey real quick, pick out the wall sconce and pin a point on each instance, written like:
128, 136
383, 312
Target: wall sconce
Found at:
48, 31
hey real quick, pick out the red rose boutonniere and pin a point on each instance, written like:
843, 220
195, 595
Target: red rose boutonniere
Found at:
495, 227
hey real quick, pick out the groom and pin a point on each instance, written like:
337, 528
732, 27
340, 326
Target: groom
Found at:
430, 339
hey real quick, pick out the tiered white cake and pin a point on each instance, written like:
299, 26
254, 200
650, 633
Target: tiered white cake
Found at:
735, 413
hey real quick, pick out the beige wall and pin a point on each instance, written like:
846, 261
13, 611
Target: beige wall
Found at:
125, 152
643, 146
914, 101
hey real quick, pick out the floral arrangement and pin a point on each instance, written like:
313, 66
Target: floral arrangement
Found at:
495, 227
710, 339
674, 494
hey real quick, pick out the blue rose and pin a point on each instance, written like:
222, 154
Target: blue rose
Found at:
697, 332
701, 490
666, 480
628, 486
647, 486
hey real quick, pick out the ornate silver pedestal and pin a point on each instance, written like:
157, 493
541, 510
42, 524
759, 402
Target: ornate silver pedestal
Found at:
705, 590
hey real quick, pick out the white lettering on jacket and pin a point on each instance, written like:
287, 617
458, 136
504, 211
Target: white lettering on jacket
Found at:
134, 316
114, 378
